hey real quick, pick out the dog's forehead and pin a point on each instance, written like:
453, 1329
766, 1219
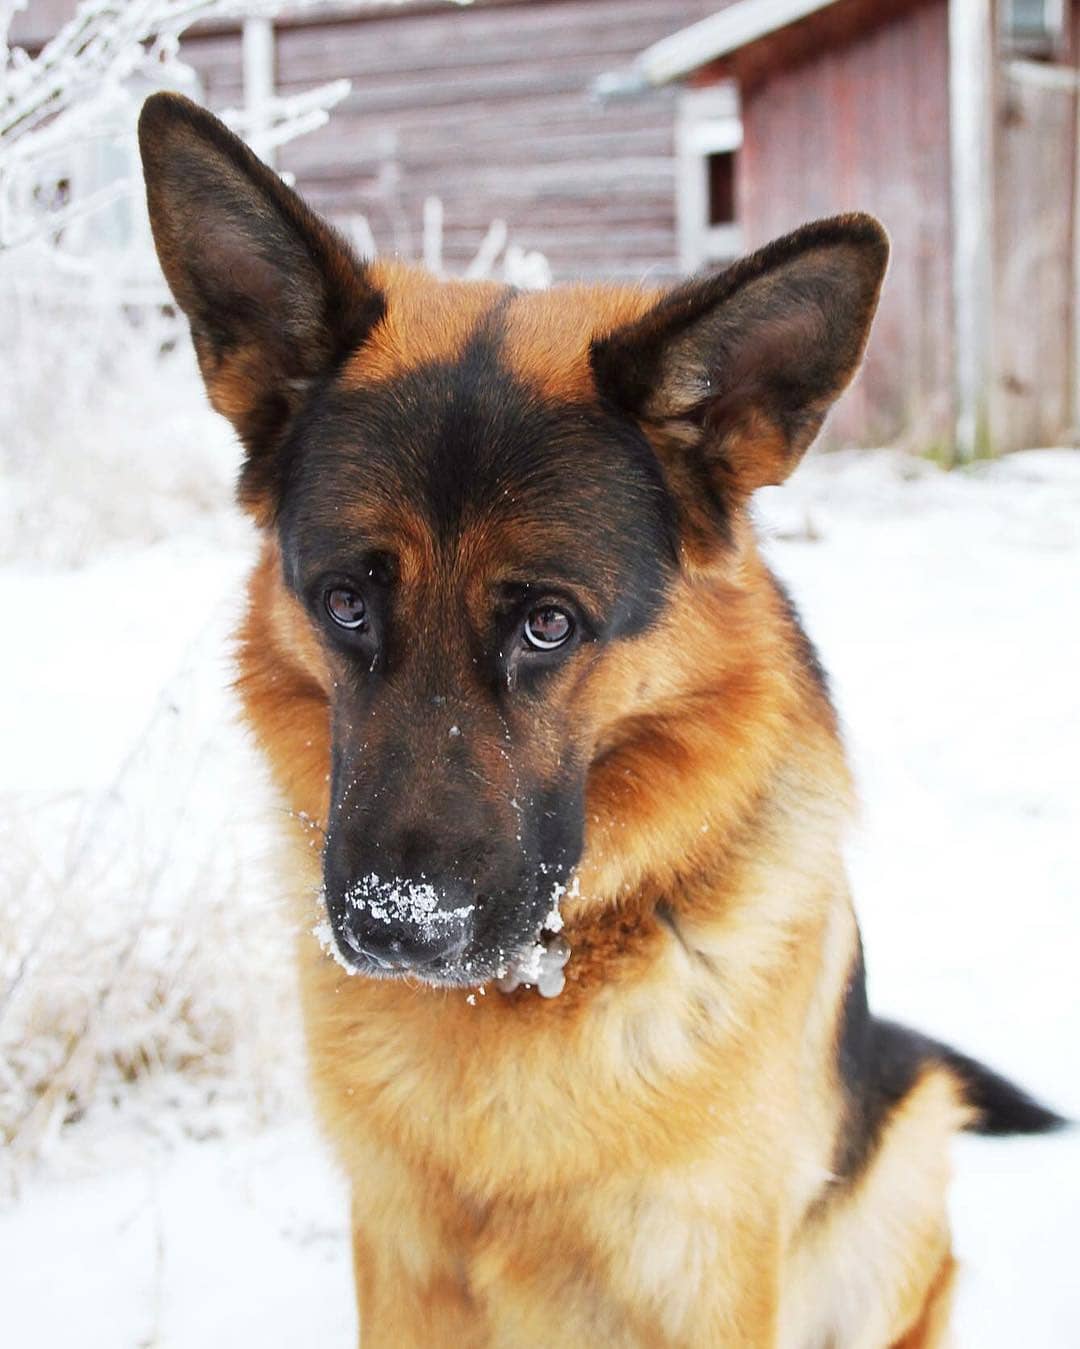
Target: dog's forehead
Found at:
468, 424
545, 335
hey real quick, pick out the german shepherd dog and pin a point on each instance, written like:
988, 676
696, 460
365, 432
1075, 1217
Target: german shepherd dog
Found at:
517, 664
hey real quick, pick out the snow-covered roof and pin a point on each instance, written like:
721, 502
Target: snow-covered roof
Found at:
674, 57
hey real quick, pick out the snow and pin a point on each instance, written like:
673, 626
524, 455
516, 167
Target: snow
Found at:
554, 921
324, 935
85, 620
403, 901
540, 966
212, 1245
180, 1214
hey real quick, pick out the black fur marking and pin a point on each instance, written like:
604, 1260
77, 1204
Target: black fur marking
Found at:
712, 493
872, 1085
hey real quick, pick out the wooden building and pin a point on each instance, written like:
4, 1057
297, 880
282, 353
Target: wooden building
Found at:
956, 122
487, 106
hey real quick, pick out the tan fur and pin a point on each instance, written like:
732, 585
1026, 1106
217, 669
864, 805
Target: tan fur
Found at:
645, 1160
550, 333
932, 1329
426, 320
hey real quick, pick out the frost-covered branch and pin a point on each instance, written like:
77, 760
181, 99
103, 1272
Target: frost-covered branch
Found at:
103, 43
285, 117
74, 90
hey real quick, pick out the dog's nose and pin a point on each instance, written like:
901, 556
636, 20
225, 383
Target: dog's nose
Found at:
398, 950
406, 925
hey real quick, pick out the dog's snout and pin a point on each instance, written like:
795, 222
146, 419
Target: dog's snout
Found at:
418, 851
409, 874
401, 925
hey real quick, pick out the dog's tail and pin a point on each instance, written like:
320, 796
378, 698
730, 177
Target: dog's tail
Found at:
1001, 1107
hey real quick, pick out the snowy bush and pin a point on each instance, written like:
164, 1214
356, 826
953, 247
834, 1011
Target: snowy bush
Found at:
105, 436
141, 941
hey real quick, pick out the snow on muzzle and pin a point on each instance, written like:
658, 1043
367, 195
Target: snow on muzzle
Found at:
406, 924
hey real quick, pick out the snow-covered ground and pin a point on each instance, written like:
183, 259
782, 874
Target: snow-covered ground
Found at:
178, 1213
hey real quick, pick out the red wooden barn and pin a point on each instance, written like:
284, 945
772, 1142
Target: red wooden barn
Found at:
956, 122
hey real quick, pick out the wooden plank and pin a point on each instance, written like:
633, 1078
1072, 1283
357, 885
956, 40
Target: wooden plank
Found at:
1035, 169
432, 145
553, 214
545, 112
33, 26
543, 33
971, 56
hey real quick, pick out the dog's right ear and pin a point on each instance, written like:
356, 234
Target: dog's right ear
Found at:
274, 295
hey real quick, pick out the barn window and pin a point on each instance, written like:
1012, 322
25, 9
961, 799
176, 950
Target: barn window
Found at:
1034, 27
708, 139
722, 188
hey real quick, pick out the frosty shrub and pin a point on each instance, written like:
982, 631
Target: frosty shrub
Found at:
144, 957
106, 438
105, 435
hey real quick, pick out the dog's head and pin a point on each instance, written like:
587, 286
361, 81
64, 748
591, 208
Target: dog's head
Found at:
478, 509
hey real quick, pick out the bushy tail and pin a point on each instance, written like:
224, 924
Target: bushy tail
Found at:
1003, 1107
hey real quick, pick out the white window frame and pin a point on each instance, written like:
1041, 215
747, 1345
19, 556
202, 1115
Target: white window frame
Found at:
709, 123
1050, 42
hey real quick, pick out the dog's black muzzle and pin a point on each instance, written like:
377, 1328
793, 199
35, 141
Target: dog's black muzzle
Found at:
399, 925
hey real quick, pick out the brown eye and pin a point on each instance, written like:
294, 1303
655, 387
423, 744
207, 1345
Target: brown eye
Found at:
547, 627
346, 608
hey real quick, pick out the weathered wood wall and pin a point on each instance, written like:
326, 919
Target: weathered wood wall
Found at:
1035, 285
488, 107
862, 124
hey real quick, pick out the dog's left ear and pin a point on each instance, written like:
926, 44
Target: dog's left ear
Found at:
734, 373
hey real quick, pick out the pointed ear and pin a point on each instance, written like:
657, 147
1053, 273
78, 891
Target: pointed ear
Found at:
274, 295
734, 374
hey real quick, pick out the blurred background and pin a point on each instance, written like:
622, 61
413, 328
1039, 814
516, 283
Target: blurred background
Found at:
161, 1182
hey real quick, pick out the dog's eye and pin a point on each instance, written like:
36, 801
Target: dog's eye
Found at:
347, 608
547, 627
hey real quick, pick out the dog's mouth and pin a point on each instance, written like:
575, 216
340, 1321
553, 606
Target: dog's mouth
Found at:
410, 932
